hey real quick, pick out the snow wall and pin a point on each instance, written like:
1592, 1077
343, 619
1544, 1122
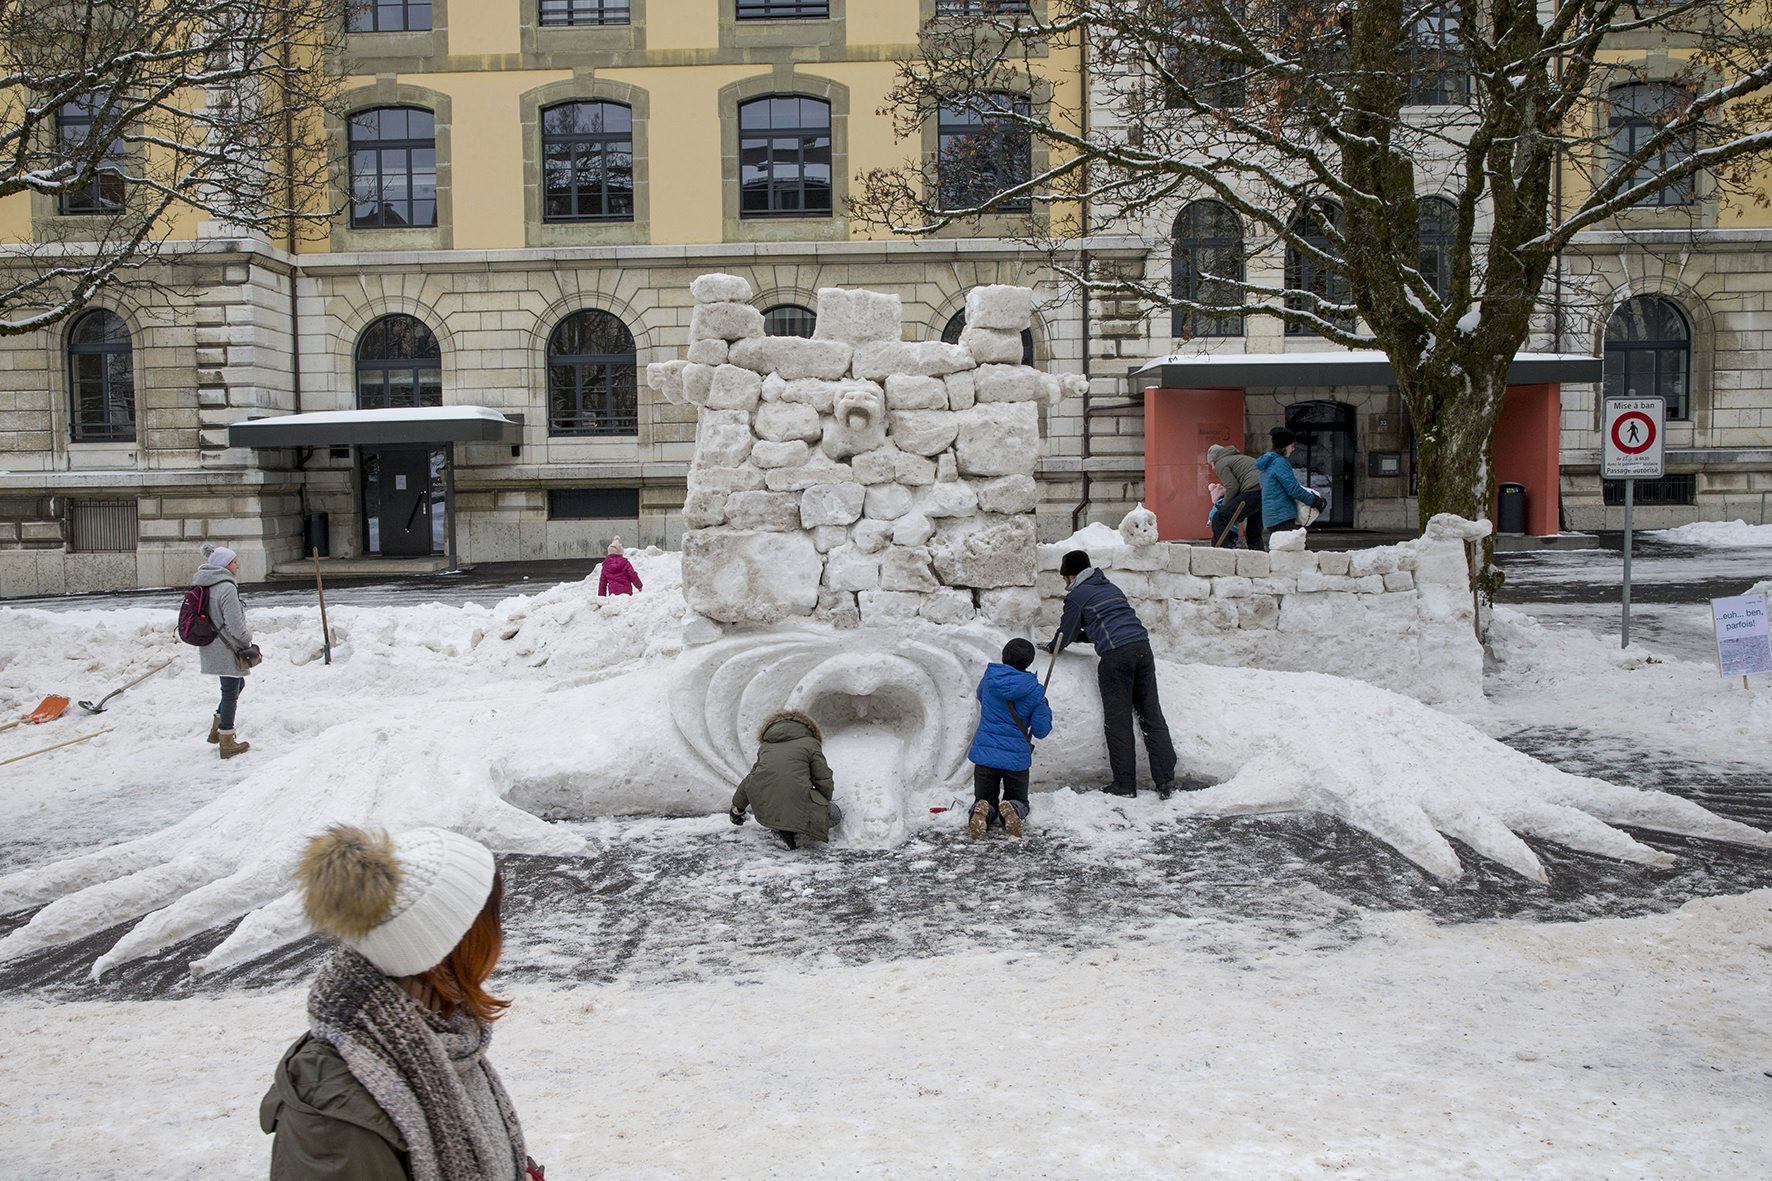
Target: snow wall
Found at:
856, 477
1399, 616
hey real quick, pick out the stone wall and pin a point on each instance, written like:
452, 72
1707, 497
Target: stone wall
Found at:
1400, 616
855, 476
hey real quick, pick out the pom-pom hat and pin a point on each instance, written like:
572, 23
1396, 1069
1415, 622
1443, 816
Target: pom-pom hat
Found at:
402, 902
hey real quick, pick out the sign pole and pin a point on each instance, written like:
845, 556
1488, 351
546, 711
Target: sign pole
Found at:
1629, 499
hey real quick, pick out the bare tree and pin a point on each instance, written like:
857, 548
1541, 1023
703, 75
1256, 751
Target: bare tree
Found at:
1327, 129
119, 118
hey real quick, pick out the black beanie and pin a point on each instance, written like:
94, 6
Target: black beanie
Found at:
1281, 437
1073, 563
1018, 654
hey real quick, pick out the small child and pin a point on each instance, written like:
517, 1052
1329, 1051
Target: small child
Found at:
790, 785
617, 575
1012, 712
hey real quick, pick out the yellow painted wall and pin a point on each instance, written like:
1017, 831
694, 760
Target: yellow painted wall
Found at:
685, 24
486, 152
485, 26
684, 161
876, 22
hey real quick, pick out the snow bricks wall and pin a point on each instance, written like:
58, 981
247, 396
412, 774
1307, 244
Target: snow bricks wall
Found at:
856, 477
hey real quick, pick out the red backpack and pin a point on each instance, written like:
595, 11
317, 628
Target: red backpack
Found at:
194, 626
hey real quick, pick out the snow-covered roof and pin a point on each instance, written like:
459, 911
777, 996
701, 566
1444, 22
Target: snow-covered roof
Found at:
1333, 367
412, 424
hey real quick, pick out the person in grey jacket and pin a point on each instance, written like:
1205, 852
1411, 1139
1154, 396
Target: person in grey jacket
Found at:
1242, 486
232, 636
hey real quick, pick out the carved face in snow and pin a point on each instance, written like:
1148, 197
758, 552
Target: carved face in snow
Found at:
1139, 527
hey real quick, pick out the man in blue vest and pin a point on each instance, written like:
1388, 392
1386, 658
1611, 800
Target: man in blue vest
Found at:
1096, 612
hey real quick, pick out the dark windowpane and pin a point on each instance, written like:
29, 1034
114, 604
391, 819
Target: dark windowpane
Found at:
981, 7
1208, 268
391, 16
101, 379
784, 153
1667, 490
982, 152
1639, 113
1435, 61
75, 124
593, 504
1437, 228
1308, 276
1649, 354
789, 319
775, 10
592, 376
393, 158
398, 365
584, 12
588, 162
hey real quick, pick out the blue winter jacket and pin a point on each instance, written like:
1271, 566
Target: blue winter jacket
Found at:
1281, 491
998, 742
1096, 612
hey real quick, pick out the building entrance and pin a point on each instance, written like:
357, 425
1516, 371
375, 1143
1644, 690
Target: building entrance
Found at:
400, 515
1325, 455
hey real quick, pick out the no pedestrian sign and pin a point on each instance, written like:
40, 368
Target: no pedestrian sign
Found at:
1631, 446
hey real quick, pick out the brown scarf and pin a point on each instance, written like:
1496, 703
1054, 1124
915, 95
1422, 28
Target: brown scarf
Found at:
411, 1061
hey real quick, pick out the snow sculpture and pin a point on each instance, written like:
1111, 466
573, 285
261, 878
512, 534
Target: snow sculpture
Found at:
910, 463
1139, 527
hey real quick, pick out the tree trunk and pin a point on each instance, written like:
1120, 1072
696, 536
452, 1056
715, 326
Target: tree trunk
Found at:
1455, 428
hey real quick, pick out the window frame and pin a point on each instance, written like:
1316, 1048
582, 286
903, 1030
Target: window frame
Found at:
801, 134
416, 366
950, 129
1435, 61
1329, 286
1190, 284
1662, 351
790, 10
406, 145
949, 8
621, 426
1440, 243
89, 200
605, 142
373, 10
1633, 121
781, 311
110, 426
600, 14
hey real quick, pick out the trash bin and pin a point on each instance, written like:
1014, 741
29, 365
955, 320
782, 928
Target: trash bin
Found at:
317, 534
1510, 509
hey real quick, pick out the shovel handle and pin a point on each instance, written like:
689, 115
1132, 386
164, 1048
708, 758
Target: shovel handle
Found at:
70, 742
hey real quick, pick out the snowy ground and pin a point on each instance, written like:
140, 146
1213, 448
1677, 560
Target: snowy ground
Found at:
1131, 992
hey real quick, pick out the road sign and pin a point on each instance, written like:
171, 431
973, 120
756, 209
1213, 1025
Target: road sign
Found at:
1630, 446
1744, 644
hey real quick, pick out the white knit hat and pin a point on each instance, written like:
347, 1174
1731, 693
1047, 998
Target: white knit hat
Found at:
221, 555
402, 903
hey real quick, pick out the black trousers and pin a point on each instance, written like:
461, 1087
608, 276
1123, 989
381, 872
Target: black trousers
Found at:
1283, 527
986, 782
1248, 526
1128, 680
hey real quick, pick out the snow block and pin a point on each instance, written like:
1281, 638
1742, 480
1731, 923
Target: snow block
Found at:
1000, 439
924, 358
1258, 613
1007, 383
989, 345
1007, 494
798, 477
1010, 608
906, 568
948, 500
879, 466
1186, 586
781, 421
984, 552
885, 608
1291, 539
709, 351
1382, 560
1000, 306
1293, 562
858, 421
667, 378
916, 393
795, 358
725, 321
697, 381
704, 509
962, 391
857, 316
948, 606
923, 432
1224, 588
1334, 562
1212, 563
912, 529
826, 538
720, 288
745, 577
1141, 557
1181, 557
723, 438
887, 502
913, 471
771, 512
1399, 580
870, 537
777, 453
734, 388
1252, 563
820, 395
849, 568
831, 504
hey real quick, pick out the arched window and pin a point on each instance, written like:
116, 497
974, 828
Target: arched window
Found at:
398, 365
1436, 221
1639, 111
957, 325
784, 157
789, 319
1649, 353
587, 162
101, 379
1305, 273
591, 376
393, 154
982, 151
1207, 268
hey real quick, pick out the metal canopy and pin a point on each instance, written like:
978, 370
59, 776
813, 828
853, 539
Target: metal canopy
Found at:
1339, 367
377, 428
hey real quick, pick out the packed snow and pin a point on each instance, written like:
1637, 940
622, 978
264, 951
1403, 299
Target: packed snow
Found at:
1720, 534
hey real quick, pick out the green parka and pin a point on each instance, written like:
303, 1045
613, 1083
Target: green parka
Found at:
327, 1127
789, 787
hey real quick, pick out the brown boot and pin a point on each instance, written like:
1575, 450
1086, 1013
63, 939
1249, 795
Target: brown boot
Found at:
229, 747
214, 728
979, 819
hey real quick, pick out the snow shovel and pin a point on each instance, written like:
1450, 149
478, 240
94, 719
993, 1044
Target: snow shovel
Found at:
70, 742
1057, 647
90, 708
48, 710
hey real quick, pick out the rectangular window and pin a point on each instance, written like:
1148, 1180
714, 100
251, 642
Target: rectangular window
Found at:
1667, 490
1435, 61
561, 13
982, 152
393, 162
1640, 112
587, 162
784, 157
74, 127
981, 7
391, 16
783, 10
102, 526
593, 504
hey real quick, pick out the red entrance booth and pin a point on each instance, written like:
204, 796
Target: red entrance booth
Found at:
1192, 403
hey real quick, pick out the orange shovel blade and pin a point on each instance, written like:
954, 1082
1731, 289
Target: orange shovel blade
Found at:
48, 710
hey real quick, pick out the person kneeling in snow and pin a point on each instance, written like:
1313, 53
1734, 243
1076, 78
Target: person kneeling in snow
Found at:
789, 787
617, 576
1012, 712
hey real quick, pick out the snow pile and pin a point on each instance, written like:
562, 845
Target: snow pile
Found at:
1720, 534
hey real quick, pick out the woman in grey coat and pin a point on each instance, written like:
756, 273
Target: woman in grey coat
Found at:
217, 573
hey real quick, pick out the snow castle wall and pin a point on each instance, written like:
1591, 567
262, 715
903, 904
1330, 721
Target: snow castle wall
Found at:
1399, 616
856, 477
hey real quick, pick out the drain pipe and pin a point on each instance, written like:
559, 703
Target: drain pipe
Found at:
1083, 269
304, 454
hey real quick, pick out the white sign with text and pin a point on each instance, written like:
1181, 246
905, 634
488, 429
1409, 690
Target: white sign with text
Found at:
1630, 444
1744, 645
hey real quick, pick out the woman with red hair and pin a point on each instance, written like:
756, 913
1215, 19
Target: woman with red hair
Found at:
391, 1081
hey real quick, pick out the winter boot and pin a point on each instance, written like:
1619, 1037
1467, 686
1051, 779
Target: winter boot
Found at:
1165, 790
214, 728
1011, 818
1126, 792
229, 747
791, 840
979, 819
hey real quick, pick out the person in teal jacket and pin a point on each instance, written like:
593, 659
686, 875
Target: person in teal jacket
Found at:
1280, 489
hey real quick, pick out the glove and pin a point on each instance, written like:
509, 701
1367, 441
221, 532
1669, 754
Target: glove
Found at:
1045, 647
735, 817
1322, 501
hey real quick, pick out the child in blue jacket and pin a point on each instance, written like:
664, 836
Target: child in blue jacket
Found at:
1012, 712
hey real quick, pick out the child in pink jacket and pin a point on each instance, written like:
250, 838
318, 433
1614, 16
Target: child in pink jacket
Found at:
618, 575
